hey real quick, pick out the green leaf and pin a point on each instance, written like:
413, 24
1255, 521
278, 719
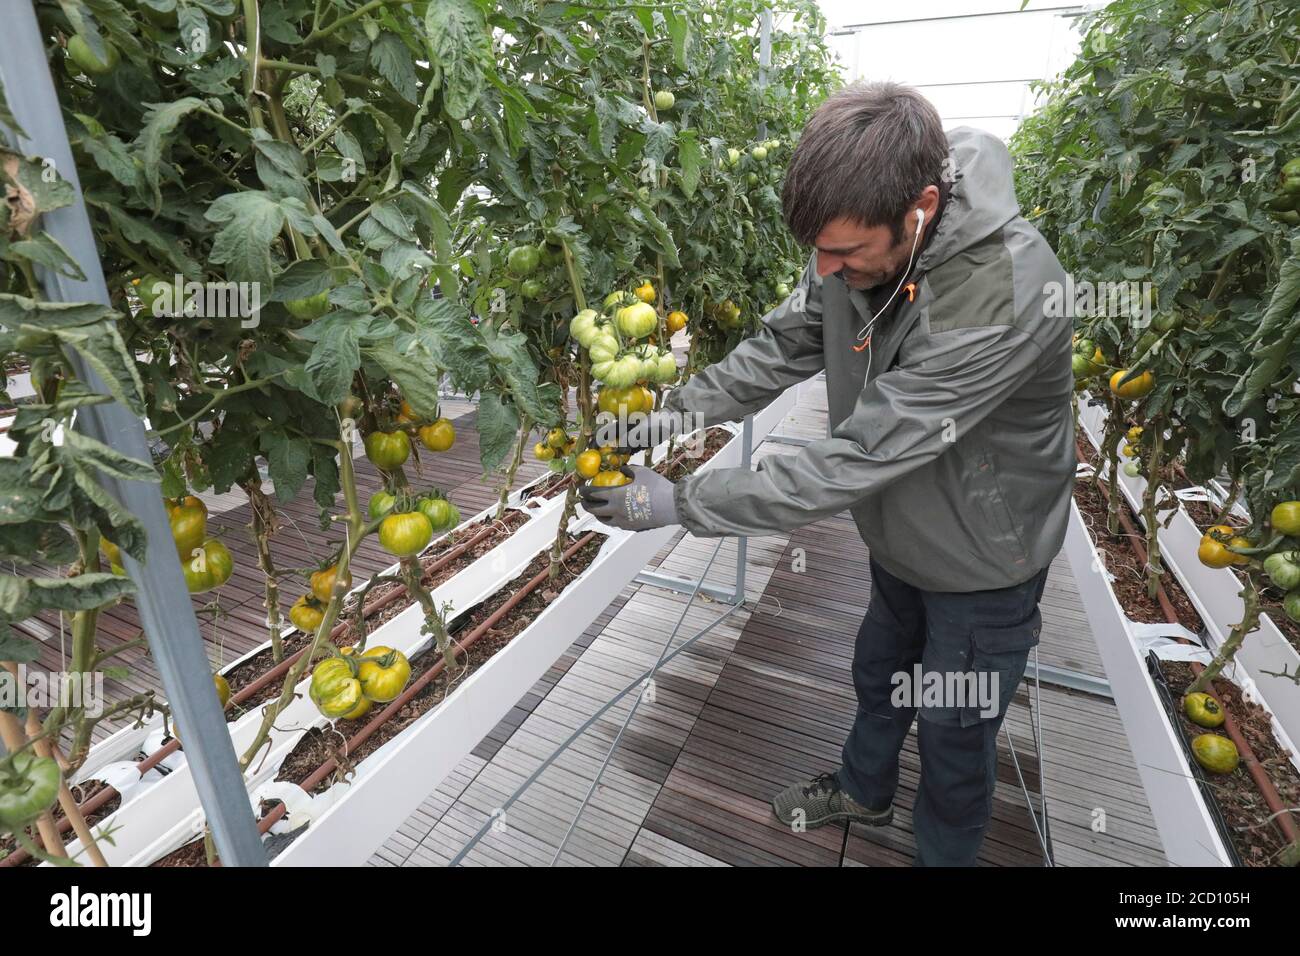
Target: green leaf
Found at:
14, 647
20, 499
37, 541
101, 347
460, 43
691, 158
497, 425
287, 458
301, 280
80, 593
413, 369
334, 360
252, 221
44, 250
326, 470
282, 169
85, 450
160, 121
392, 59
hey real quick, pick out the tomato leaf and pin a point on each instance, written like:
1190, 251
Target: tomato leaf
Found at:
498, 427
251, 221
287, 458
460, 43
160, 122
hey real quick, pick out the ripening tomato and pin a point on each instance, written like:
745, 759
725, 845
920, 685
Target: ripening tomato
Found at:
645, 292
322, 582
189, 527
223, 689
334, 688
543, 451
1137, 387
1285, 518
676, 321
381, 502
306, 614
210, 568
609, 479
383, 673
387, 450
439, 435
588, 463
405, 534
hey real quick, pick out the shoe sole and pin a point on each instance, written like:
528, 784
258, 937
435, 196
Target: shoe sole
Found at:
879, 820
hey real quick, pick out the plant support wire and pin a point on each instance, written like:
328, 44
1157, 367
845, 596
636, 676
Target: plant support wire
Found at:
664, 657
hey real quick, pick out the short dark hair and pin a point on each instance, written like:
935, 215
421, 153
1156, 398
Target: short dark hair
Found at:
866, 154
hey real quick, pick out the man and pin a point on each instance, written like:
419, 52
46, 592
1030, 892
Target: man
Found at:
949, 390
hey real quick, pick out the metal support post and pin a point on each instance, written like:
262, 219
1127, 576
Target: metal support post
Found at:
161, 598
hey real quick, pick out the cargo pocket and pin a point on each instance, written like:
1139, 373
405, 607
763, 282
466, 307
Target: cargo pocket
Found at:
998, 657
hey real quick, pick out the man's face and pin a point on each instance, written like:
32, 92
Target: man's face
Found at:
866, 256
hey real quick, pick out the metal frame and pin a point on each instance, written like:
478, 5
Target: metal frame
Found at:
162, 599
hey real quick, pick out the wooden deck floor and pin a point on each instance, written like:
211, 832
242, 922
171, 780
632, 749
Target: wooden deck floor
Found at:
763, 700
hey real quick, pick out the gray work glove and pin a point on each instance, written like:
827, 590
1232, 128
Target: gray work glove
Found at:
642, 431
643, 503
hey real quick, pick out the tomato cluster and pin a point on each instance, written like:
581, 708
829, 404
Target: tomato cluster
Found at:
205, 561
345, 687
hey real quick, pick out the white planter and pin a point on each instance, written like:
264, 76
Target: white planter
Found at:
163, 816
1186, 827
393, 781
1215, 593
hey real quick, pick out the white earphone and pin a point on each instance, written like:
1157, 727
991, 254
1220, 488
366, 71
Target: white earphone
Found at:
866, 329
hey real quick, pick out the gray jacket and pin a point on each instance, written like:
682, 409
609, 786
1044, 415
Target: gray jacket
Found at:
953, 445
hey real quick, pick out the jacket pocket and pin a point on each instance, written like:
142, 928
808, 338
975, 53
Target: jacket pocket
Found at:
992, 505
999, 654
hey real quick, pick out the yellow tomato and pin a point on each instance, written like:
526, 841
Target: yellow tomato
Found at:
1137, 387
646, 292
588, 464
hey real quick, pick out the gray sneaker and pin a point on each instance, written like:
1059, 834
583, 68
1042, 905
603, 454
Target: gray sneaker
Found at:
820, 801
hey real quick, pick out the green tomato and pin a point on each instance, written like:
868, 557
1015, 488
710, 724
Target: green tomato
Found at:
1166, 322
531, 288
381, 502
733, 157
209, 569
309, 308
85, 58
667, 370
1291, 177
28, 786
599, 370
387, 450
664, 100
759, 153
152, 288
1133, 468
334, 689
637, 320
1283, 570
624, 372
782, 290
437, 510
405, 534
523, 260
584, 328
1291, 604
604, 348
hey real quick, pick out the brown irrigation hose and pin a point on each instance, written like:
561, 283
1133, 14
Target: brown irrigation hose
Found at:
417, 685
1280, 812
106, 794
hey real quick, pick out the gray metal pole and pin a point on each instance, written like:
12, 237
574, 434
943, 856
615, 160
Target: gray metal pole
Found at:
162, 599
764, 58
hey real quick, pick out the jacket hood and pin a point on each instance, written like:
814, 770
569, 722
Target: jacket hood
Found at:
982, 199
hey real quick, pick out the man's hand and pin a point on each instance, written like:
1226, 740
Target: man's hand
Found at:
643, 503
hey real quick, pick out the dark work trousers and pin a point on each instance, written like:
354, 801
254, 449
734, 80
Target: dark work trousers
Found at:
947, 633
